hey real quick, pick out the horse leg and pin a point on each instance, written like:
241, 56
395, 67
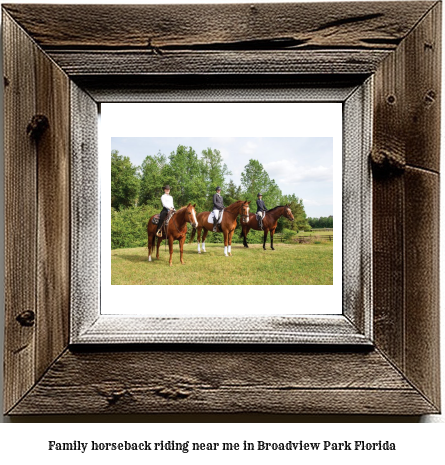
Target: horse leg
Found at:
157, 247
265, 239
272, 232
181, 249
204, 240
150, 244
199, 239
170, 248
229, 249
226, 242
245, 232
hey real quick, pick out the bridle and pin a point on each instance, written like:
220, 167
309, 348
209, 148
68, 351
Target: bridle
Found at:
288, 211
245, 213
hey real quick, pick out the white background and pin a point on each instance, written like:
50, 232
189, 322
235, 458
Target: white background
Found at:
27, 443
228, 120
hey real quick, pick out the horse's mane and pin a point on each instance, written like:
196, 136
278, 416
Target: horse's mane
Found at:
274, 208
182, 208
234, 204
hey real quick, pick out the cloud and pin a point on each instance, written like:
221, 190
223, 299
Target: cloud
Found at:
290, 172
249, 148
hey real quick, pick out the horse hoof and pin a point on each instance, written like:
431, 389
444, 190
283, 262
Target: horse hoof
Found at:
199, 251
225, 255
230, 254
149, 259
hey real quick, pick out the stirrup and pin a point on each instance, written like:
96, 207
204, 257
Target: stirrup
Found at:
159, 233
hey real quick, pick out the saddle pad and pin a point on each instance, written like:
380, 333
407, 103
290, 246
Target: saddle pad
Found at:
155, 219
211, 216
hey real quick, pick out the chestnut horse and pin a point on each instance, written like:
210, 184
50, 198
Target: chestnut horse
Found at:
176, 230
227, 225
270, 221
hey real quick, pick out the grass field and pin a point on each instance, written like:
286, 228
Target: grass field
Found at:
287, 264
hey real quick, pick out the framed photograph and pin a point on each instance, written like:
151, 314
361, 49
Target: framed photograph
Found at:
356, 331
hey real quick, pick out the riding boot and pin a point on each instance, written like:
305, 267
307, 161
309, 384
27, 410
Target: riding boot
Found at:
159, 230
215, 224
261, 223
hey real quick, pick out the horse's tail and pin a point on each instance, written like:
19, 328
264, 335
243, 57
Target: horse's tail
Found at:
192, 235
241, 235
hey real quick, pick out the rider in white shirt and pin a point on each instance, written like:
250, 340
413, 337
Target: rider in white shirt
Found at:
167, 204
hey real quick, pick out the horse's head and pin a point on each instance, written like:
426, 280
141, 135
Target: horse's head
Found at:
191, 212
288, 213
245, 212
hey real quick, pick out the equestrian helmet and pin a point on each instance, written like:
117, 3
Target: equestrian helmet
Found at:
166, 187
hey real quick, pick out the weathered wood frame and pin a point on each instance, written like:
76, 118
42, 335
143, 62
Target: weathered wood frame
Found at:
145, 48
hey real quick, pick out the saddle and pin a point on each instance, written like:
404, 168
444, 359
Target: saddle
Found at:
155, 219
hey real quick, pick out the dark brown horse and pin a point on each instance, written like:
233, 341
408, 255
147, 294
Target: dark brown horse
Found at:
227, 226
176, 230
269, 223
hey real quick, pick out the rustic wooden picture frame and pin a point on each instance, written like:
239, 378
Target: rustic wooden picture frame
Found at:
81, 55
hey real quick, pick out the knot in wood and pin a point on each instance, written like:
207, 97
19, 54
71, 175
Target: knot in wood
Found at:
386, 162
173, 393
37, 126
26, 318
430, 97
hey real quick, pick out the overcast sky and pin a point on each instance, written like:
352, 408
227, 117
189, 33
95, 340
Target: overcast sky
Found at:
300, 165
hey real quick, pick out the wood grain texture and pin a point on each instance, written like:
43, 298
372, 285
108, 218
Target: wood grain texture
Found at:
218, 87
85, 210
388, 199
422, 364
223, 382
118, 62
20, 212
406, 132
112, 329
357, 208
423, 91
53, 229
154, 27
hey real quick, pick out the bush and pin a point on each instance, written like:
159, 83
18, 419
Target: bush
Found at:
129, 226
288, 235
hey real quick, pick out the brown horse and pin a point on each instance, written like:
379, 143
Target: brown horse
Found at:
227, 226
176, 230
270, 221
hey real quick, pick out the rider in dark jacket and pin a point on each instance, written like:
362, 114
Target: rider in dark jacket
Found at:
261, 209
218, 207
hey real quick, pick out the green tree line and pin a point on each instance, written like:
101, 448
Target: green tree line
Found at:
136, 190
322, 222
